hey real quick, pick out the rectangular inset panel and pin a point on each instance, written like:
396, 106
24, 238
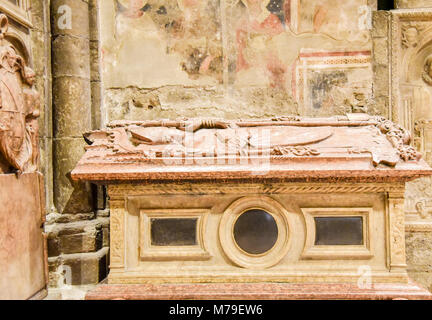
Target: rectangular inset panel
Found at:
337, 231
173, 232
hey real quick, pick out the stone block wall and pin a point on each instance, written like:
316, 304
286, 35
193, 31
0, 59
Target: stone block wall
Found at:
66, 62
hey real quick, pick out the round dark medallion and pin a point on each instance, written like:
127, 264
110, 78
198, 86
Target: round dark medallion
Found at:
255, 231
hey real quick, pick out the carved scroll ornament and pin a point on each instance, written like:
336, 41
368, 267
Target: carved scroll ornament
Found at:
400, 139
19, 110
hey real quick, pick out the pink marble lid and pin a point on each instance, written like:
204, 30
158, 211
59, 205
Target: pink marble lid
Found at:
356, 147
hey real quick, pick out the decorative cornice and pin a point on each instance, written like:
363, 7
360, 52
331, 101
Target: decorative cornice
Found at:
116, 190
418, 227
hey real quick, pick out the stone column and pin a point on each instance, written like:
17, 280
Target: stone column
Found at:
78, 237
71, 100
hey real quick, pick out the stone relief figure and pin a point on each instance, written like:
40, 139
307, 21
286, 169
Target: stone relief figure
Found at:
410, 34
19, 110
422, 209
427, 73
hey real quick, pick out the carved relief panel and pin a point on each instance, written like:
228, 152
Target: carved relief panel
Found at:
412, 74
19, 106
411, 99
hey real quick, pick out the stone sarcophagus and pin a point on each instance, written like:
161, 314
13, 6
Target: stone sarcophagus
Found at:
232, 204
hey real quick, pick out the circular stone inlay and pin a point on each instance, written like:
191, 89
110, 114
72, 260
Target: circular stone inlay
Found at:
255, 231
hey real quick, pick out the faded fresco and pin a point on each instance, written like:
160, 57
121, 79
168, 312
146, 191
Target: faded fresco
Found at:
337, 19
164, 42
239, 49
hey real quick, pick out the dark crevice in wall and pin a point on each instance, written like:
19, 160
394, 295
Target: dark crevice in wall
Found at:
386, 4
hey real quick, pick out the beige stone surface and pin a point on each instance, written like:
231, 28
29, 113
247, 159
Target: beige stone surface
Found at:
22, 257
41, 50
419, 257
71, 99
80, 18
70, 197
227, 264
413, 4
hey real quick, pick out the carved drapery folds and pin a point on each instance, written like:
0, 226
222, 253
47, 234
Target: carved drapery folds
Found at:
292, 138
19, 109
337, 148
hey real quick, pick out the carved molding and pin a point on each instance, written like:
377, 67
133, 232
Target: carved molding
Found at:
117, 238
166, 253
18, 12
247, 260
418, 227
167, 189
396, 232
335, 252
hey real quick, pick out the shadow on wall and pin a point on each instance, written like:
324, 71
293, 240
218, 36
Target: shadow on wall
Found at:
386, 4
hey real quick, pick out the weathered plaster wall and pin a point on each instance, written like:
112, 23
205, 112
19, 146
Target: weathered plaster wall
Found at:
220, 58
400, 4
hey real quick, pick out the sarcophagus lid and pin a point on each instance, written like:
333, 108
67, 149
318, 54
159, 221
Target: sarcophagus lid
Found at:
356, 147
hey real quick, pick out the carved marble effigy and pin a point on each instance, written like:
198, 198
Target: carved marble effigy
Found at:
212, 171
